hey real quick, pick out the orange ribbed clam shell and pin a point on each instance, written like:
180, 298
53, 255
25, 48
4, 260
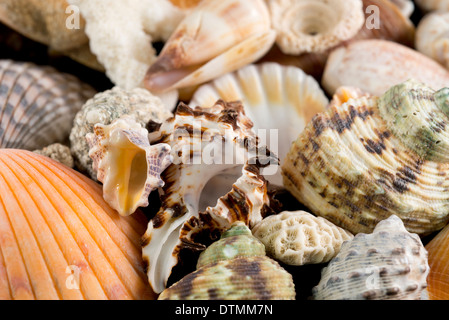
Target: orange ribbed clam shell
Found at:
60, 240
438, 257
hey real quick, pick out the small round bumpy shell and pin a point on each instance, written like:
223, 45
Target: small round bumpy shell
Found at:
389, 264
298, 237
230, 270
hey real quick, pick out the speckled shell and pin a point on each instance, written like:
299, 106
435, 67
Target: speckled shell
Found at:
125, 162
235, 273
314, 25
359, 163
298, 237
37, 104
432, 37
374, 66
192, 134
60, 239
388, 264
104, 108
438, 255
275, 97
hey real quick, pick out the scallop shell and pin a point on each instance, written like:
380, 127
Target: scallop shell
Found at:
279, 100
60, 239
230, 270
127, 165
432, 37
433, 5
216, 37
389, 264
359, 163
298, 237
204, 143
37, 104
314, 25
376, 65
104, 108
438, 254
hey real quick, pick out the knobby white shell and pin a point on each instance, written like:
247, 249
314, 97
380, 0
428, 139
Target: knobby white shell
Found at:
298, 237
279, 100
126, 163
388, 264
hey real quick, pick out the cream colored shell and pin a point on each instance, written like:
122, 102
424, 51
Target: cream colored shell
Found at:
432, 37
279, 100
298, 237
314, 25
388, 264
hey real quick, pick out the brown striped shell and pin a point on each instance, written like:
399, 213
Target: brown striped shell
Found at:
388, 264
359, 163
234, 268
201, 140
37, 104
60, 239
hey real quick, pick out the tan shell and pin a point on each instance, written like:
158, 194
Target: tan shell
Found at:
37, 104
374, 66
201, 140
432, 37
125, 162
216, 37
234, 268
314, 25
407, 7
44, 21
433, 5
279, 100
298, 237
359, 163
388, 264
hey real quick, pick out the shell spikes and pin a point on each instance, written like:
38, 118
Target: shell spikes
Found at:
126, 163
216, 37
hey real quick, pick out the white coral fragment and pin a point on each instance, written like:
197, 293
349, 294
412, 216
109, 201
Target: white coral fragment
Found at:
121, 34
126, 163
298, 237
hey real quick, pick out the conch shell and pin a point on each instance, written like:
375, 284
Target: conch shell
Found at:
205, 142
432, 37
298, 237
37, 104
234, 268
314, 25
60, 239
388, 264
127, 165
374, 66
359, 163
279, 100
216, 37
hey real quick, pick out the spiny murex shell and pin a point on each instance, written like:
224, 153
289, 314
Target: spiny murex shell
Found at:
205, 143
279, 100
37, 104
125, 162
234, 267
298, 237
104, 108
359, 163
389, 264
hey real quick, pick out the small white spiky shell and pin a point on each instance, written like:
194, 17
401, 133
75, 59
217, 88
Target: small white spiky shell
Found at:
127, 165
388, 264
279, 100
37, 104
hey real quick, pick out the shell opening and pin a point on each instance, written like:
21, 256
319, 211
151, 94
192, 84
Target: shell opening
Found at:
306, 23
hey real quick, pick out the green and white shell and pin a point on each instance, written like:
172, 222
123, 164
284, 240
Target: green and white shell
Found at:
234, 268
360, 162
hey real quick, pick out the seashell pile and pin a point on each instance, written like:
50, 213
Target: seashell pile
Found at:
224, 149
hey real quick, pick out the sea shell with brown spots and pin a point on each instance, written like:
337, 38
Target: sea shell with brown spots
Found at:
371, 157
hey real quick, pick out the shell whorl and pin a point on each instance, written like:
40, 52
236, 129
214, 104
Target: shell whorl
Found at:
417, 115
